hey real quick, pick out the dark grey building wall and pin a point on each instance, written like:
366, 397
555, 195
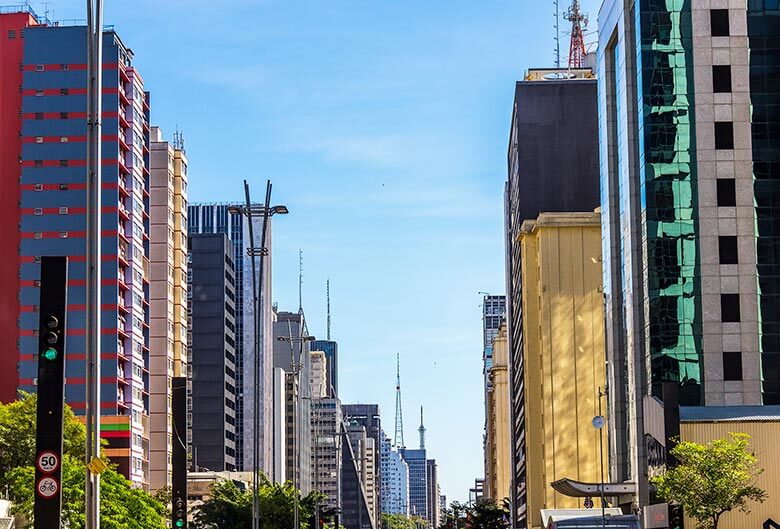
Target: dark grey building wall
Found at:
212, 351
553, 166
367, 416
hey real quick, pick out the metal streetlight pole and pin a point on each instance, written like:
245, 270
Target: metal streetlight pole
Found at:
598, 423
251, 212
93, 325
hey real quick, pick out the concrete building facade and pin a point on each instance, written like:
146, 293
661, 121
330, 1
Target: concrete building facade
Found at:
212, 308
168, 297
432, 477
552, 166
327, 422
394, 479
563, 336
688, 165
218, 218
497, 438
43, 120
319, 375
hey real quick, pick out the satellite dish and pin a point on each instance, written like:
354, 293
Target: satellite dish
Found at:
598, 422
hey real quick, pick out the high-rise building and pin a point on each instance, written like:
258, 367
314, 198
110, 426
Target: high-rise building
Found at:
218, 218
43, 128
416, 459
394, 479
212, 305
563, 348
434, 516
12, 26
689, 168
331, 350
553, 166
497, 458
367, 415
355, 503
493, 313
168, 298
292, 354
326, 454
319, 375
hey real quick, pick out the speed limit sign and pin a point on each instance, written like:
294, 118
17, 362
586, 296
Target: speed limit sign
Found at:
47, 487
48, 462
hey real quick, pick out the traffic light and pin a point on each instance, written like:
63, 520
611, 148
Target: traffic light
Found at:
676, 517
179, 513
179, 456
51, 392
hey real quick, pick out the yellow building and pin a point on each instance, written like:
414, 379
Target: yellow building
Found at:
762, 423
497, 459
168, 297
563, 355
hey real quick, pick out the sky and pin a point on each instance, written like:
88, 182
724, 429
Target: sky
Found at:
383, 126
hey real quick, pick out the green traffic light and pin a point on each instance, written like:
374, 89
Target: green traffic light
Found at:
50, 354
179, 523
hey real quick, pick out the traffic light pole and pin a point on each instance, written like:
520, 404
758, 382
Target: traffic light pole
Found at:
93, 324
51, 393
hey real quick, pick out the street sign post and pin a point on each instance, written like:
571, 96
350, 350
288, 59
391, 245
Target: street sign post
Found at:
51, 393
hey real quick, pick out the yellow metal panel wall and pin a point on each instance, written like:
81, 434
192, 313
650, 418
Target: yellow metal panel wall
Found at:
765, 443
563, 353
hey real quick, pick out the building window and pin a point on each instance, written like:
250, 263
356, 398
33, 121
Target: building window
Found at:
39, 115
63, 115
38, 163
719, 22
64, 91
63, 235
64, 66
732, 365
63, 163
727, 195
724, 135
729, 308
11, 34
38, 187
39, 139
37, 235
63, 187
63, 139
63, 211
38, 211
39, 93
38, 67
727, 249
721, 78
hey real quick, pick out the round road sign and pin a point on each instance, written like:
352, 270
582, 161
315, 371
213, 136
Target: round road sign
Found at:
47, 462
47, 487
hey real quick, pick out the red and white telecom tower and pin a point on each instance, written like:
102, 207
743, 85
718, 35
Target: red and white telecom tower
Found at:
577, 44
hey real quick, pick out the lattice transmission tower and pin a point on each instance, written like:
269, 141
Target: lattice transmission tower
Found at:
578, 21
398, 439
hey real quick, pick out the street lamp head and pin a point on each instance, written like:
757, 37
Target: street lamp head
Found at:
309, 338
235, 210
281, 338
281, 210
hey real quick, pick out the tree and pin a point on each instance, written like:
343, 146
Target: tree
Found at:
121, 505
230, 507
397, 521
712, 479
487, 514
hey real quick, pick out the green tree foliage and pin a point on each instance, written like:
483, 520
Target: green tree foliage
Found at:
712, 479
485, 514
122, 507
230, 507
397, 521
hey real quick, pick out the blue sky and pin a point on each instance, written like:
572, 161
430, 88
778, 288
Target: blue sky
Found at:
383, 125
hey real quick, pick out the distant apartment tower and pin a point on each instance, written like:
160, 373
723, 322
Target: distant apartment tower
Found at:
552, 166
689, 173
292, 354
418, 480
326, 453
318, 380
498, 423
217, 218
493, 313
42, 122
367, 415
331, 350
394, 479
434, 518
212, 298
168, 298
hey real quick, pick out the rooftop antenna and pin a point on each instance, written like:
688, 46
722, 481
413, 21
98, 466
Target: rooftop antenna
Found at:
300, 281
577, 45
178, 139
398, 440
421, 429
557, 49
327, 296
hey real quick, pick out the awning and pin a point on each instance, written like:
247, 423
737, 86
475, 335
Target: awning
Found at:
578, 489
556, 515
